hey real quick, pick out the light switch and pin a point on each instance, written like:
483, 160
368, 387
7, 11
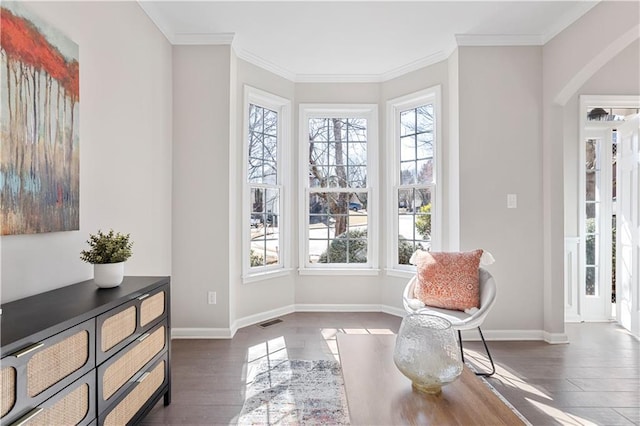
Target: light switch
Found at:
512, 201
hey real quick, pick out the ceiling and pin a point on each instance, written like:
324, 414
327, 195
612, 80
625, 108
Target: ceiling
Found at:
360, 40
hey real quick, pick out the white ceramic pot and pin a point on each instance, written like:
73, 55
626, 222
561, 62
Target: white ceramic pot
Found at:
107, 275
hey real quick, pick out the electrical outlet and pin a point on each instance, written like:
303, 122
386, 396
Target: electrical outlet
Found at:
512, 201
212, 298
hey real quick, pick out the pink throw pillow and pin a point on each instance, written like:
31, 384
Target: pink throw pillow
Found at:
449, 280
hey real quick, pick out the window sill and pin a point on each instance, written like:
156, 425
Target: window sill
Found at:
339, 271
401, 273
267, 275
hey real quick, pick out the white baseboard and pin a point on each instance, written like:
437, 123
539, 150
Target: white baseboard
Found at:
261, 317
555, 338
468, 335
201, 333
392, 310
326, 307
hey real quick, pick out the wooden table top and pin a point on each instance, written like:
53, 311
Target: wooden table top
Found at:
379, 394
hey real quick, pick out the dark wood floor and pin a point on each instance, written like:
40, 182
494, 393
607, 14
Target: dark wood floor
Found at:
595, 379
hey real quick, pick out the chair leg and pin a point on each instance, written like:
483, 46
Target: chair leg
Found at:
486, 348
461, 350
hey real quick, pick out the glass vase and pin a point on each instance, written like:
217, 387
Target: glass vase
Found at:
427, 352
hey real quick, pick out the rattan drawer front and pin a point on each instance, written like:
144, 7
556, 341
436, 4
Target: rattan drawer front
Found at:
129, 406
151, 308
124, 368
117, 328
54, 363
70, 410
8, 375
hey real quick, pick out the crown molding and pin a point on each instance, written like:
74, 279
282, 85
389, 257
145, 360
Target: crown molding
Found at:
264, 64
182, 39
337, 78
499, 40
416, 65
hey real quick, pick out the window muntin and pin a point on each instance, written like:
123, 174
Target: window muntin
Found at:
337, 224
413, 131
265, 153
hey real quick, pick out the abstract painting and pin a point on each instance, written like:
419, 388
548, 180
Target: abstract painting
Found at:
39, 149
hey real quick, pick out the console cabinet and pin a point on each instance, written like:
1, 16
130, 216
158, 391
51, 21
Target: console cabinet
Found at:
81, 355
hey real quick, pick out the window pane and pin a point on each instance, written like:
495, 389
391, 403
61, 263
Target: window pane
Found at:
255, 117
263, 145
357, 153
264, 222
318, 152
592, 210
405, 199
424, 115
408, 148
270, 122
257, 254
357, 129
270, 148
425, 146
407, 122
591, 281
590, 187
414, 221
590, 154
591, 245
407, 172
345, 149
338, 227
257, 200
357, 177
425, 171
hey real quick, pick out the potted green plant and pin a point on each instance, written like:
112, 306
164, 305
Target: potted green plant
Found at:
108, 252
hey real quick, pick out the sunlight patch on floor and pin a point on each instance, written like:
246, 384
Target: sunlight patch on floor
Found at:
560, 416
273, 352
330, 336
504, 376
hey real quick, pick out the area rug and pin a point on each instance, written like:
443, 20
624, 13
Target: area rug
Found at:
295, 392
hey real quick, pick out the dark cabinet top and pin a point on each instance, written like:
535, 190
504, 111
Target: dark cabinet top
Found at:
34, 318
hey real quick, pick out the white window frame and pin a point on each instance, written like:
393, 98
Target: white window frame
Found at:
394, 108
370, 113
282, 106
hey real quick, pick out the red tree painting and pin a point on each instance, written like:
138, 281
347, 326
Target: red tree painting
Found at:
39, 156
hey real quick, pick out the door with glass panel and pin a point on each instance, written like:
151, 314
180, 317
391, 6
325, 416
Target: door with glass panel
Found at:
609, 196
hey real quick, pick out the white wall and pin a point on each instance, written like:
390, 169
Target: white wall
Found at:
201, 132
125, 148
500, 95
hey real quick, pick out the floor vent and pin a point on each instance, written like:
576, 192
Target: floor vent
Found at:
268, 323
